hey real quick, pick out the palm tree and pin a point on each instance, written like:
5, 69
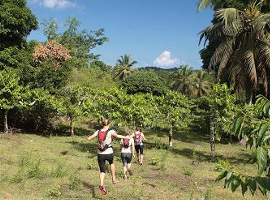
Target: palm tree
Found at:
124, 66
202, 83
243, 51
183, 80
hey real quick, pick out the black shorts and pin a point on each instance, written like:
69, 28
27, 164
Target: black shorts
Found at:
126, 158
139, 149
101, 161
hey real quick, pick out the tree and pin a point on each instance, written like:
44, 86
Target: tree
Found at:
218, 110
202, 83
123, 67
71, 100
256, 128
17, 21
172, 111
79, 42
243, 51
11, 93
183, 80
144, 82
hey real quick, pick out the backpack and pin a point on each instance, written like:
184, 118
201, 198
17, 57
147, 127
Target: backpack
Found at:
126, 143
137, 138
102, 146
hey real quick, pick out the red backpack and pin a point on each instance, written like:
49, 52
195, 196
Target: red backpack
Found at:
137, 138
102, 146
126, 143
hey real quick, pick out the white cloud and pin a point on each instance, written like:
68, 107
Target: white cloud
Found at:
55, 4
166, 60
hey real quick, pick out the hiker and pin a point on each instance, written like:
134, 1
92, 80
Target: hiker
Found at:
127, 151
105, 151
138, 140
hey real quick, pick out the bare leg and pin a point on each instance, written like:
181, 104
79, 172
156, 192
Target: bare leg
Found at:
101, 177
113, 173
138, 157
125, 171
141, 160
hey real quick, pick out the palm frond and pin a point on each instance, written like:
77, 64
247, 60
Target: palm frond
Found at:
249, 63
225, 57
223, 49
228, 15
202, 4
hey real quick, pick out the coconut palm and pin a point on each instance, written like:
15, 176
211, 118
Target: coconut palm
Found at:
244, 48
124, 67
183, 80
202, 83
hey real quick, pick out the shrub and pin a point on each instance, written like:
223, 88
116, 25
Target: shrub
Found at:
155, 161
222, 165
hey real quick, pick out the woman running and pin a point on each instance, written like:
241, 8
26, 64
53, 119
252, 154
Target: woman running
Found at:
138, 140
105, 151
127, 151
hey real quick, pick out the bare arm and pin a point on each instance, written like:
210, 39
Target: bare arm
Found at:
133, 148
144, 137
91, 137
114, 134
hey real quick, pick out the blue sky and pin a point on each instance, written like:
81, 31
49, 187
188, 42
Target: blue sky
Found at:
161, 33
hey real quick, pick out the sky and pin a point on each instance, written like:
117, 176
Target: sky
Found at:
161, 33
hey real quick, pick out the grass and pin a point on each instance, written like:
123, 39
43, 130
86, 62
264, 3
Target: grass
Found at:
36, 167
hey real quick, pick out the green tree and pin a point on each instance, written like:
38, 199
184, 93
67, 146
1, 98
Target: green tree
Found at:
11, 93
202, 83
173, 111
256, 128
17, 21
183, 80
144, 82
79, 42
243, 50
124, 66
71, 100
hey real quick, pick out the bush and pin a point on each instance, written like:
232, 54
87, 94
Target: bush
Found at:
155, 161
144, 82
222, 165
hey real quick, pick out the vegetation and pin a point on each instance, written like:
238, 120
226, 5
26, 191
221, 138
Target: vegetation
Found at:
59, 87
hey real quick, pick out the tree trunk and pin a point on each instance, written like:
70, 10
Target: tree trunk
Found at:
170, 137
250, 98
212, 134
5, 121
71, 126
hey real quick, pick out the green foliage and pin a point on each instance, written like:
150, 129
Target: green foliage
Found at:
75, 182
187, 171
17, 21
232, 56
258, 134
79, 42
155, 161
55, 191
144, 82
123, 67
222, 165
11, 92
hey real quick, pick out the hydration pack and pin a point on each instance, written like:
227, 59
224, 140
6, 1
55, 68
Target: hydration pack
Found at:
102, 146
137, 138
126, 143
